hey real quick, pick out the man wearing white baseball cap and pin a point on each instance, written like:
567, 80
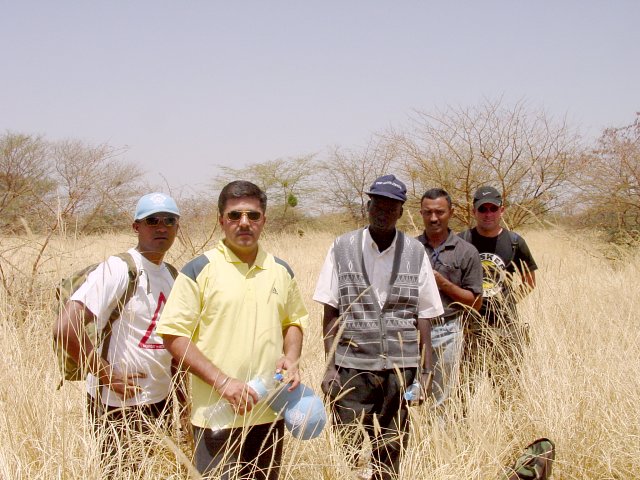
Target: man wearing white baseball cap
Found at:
130, 371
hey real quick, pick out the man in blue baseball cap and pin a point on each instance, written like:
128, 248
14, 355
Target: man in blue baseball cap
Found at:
379, 294
130, 372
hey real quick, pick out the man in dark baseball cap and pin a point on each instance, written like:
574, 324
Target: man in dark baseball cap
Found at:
505, 256
381, 304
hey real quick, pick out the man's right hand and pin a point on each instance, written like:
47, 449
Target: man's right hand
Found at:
124, 386
331, 381
240, 395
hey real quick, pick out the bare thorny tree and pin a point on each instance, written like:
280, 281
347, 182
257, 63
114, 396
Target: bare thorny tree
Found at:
348, 173
526, 155
537, 162
288, 182
46, 187
609, 189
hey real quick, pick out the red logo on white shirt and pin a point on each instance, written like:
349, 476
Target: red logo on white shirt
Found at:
144, 343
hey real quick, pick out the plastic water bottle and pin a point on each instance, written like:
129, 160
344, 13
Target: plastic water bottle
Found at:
412, 394
222, 415
260, 387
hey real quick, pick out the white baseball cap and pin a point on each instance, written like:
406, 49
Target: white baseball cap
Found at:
154, 203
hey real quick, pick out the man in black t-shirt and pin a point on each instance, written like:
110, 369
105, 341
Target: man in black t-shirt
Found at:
509, 268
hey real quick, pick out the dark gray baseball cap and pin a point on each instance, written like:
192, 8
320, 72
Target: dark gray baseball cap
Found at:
487, 195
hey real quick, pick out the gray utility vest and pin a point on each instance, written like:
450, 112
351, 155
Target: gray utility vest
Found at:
375, 338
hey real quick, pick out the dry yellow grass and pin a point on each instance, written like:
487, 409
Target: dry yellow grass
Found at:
579, 383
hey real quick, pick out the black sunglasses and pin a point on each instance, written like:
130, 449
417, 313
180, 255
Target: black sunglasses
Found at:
488, 208
155, 221
236, 215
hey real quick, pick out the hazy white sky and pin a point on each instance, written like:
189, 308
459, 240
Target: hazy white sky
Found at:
188, 85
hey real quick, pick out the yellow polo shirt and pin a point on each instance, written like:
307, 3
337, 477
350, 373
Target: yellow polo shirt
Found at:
235, 315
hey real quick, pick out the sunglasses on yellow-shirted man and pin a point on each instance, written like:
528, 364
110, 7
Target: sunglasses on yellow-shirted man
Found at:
236, 215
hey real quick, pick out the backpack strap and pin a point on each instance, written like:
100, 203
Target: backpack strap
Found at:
172, 270
514, 237
122, 301
466, 235
133, 275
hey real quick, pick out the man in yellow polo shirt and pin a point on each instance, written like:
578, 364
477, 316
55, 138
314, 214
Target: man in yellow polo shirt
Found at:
236, 314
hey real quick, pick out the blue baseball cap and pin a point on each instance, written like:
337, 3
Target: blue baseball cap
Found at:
154, 203
388, 186
303, 411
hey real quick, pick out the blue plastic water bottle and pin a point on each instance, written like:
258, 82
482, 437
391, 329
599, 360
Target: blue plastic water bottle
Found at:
412, 394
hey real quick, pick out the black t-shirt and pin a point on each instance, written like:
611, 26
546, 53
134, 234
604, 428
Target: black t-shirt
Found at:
500, 257
509, 246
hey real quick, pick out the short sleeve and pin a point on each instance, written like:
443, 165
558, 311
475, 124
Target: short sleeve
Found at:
429, 302
103, 288
182, 311
472, 271
524, 256
296, 310
327, 286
